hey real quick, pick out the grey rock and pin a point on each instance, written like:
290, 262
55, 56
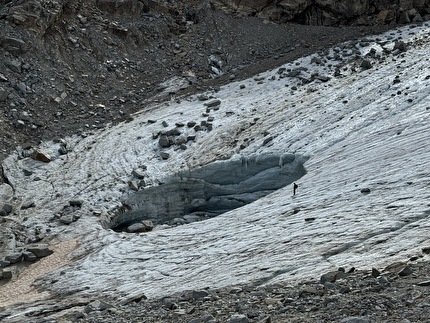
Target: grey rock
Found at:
67, 219
178, 221
41, 156
143, 226
417, 18
366, 64
22, 88
213, 103
181, 140
356, 319
267, 140
424, 283
174, 132
401, 46
139, 173
189, 218
238, 318
203, 319
191, 124
133, 185
29, 256
14, 65
97, 305
40, 250
27, 172
14, 258
375, 272
4, 263
404, 18
7, 274
135, 228
128, 8
322, 78
3, 94
332, 276
405, 271
6, 193
199, 294
202, 97
164, 141
6, 209
365, 190
13, 45
164, 155
75, 203
191, 138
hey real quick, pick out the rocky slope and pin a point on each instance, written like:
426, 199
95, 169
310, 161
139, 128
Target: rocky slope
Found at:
71, 66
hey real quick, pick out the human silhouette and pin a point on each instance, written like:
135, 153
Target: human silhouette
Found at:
295, 188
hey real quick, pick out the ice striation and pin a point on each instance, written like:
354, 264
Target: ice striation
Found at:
359, 130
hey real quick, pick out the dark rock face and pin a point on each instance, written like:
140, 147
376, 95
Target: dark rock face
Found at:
213, 189
331, 13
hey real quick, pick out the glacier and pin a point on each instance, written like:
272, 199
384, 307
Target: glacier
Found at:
358, 130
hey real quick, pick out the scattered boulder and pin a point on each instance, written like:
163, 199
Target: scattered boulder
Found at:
68, 219
164, 141
5, 209
14, 258
3, 94
366, 64
40, 250
164, 155
405, 271
375, 273
4, 263
213, 103
332, 276
75, 203
41, 156
191, 124
139, 173
238, 318
143, 226
6, 192
6, 274
365, 190
199, 294
29, 256
204, 319
97, 305
356, 319
401, 46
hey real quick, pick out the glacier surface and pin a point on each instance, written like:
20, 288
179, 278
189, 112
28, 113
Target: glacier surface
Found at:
359, 130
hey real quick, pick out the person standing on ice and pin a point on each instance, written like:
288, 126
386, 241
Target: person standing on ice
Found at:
295, 187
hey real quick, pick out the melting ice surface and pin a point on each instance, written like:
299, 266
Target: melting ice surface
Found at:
360, 130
